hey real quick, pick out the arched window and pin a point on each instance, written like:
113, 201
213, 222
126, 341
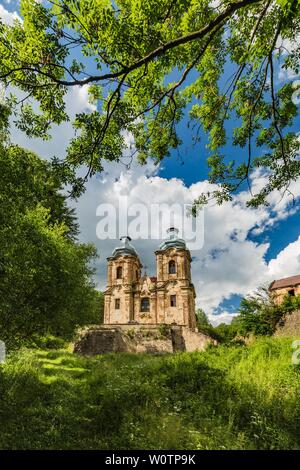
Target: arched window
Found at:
119, 272
172, 267
145, 304
173, 300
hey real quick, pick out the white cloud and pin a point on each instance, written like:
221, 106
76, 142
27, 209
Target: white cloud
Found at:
224, 317
8, 17
287, 262
285, 74
287, 46
80, 96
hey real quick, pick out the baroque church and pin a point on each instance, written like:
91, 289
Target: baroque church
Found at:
147, 314
133, 297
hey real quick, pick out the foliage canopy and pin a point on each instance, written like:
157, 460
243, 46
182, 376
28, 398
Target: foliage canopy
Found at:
145, 63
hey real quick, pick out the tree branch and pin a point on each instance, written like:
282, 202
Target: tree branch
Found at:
195, 35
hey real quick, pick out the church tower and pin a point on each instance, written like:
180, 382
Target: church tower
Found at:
136, 306
175, 291
168, 298
124, 271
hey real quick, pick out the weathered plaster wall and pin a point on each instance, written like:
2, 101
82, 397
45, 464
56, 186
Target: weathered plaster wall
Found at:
132, 288
279, 294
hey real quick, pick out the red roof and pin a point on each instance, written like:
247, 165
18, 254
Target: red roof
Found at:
286, 282
153, 279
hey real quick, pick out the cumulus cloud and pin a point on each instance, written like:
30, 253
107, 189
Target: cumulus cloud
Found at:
8, 17
286, 262
285, 74
224, 317
287, 46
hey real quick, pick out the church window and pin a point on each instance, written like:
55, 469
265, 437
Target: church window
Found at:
172, 267
145, 304
291, 292
119, 272
173, 300
117, 304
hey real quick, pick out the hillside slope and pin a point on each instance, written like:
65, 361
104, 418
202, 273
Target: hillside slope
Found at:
234, 397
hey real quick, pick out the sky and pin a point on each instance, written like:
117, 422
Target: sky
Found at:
242, 248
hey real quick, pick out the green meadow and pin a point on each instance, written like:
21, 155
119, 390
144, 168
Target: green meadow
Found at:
229, 397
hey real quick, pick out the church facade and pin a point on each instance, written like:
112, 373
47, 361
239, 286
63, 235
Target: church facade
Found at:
167, 298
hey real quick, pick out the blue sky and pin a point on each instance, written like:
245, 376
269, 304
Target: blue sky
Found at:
189, 164
242, 248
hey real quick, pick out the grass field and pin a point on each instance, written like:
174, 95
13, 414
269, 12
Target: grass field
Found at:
233, 397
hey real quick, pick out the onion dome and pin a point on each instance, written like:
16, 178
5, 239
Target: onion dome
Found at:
125, 249
173, 240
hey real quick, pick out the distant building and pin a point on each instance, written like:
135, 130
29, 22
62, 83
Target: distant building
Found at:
286, 286
167, 298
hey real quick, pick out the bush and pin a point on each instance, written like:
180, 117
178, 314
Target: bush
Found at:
258, 314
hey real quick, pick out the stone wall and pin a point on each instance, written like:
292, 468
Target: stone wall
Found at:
289, 325
121, 289
195, 341
139, 339
96, 340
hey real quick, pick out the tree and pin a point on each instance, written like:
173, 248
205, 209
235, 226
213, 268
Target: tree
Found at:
46, 284
227, 332
201, 318
27, 181
204, 325
258, 314
223, 333
145, 63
